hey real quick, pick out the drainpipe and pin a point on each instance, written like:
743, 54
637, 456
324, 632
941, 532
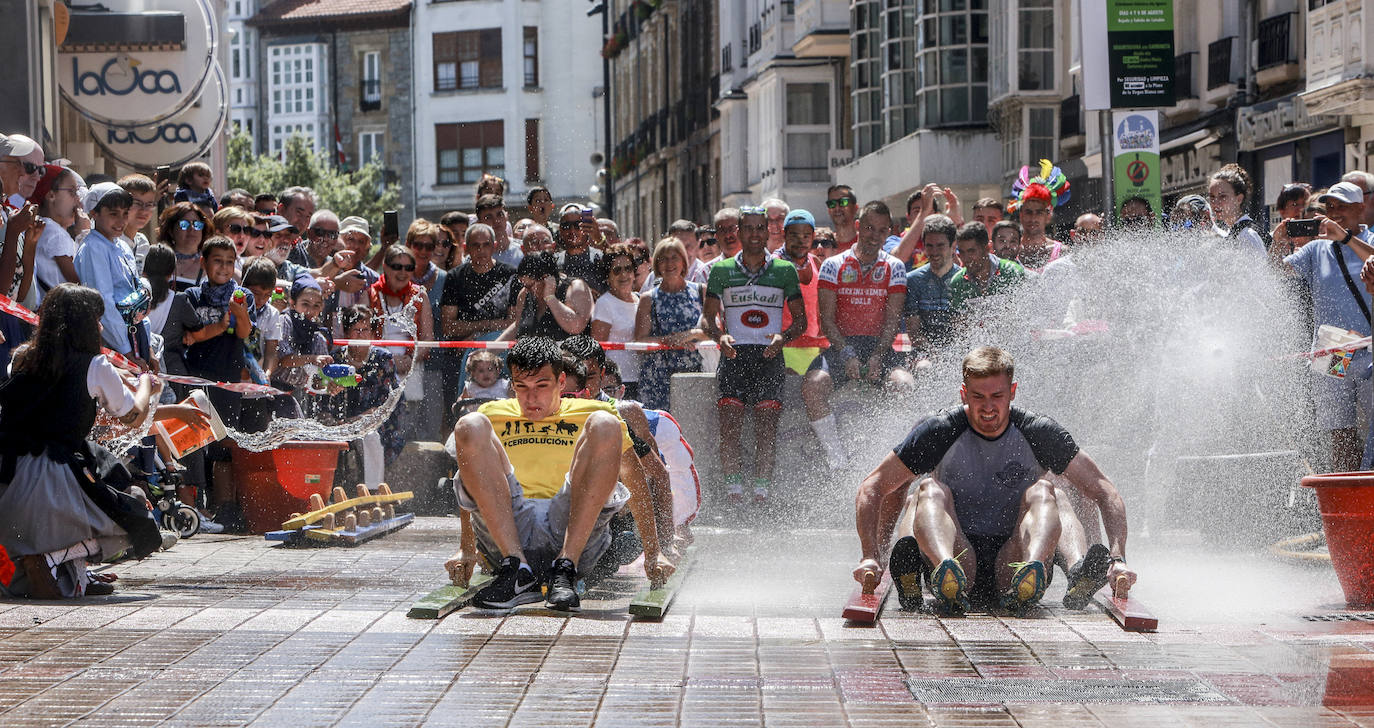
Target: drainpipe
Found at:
332, 139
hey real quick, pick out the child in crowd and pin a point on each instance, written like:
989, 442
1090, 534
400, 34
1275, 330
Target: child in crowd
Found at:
58, 196
260, 278
193, 186
106, 265
484, 377
215, 352
304, 345
144, 194
378, 371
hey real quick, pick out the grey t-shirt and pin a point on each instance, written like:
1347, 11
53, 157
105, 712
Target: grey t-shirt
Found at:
987, 477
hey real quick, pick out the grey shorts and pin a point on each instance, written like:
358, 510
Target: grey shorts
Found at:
543, 522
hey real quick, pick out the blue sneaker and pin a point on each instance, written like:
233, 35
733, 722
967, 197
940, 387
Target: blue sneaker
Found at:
949, 586
1027, 586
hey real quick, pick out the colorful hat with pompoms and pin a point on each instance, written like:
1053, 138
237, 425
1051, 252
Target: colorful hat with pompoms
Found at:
1050, 185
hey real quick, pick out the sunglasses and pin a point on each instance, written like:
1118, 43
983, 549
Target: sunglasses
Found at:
29, 167
622, 269
402, 266
707, 241
326, 234
445, 243
417, 245
842, 202
824, 243
188, 225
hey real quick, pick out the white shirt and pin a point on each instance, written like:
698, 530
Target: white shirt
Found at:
107, 387
53, 243
621, 316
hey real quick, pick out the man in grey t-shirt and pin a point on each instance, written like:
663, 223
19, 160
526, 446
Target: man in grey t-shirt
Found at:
984, 520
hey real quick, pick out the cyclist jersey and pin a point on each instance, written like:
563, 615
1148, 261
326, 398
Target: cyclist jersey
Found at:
1005, 275
861, 292
540, 451
753, 302
987, 477
812, 337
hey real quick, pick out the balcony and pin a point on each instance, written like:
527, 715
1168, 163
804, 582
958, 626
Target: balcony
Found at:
371, 94
1277, 51
1184, 88
1071, 117
822, 29
1338, 68
1219, 63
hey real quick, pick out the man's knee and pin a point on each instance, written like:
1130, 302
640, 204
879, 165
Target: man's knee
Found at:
602, 425
472, 428
1039, 494
816, 380
930, 490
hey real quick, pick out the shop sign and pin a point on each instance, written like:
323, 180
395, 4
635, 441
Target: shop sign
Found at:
1274, 122
1189, 167
172, 141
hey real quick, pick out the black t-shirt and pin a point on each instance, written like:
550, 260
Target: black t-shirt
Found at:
219, 358
180, 319
480, 296
585, 265
987, 477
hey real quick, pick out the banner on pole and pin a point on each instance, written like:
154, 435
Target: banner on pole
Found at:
1135, 158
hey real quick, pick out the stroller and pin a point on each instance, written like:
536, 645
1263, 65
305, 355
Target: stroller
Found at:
171, 514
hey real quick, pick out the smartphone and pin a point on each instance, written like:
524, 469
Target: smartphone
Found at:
168, 173
1303, 228
588, 215
391, 224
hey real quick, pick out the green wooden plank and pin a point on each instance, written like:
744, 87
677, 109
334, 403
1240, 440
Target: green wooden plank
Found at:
447, 599
654, 603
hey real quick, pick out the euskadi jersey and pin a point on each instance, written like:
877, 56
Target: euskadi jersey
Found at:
752, 302
861, 292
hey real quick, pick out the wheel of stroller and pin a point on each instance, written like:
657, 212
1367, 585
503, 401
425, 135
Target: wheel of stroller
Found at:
185, 521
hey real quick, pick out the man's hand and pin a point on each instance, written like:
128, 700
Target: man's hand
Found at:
548, 287
727, 346
323, 360
350, 281
1330, 229
460, 567
658, 571
1121, 579
774, 347
852, 367
955, 213
875, 367
1367, 274
868, 573
27, 218
344, 259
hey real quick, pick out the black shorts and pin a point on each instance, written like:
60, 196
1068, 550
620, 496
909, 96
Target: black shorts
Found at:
750, 377
983, 591
863, 348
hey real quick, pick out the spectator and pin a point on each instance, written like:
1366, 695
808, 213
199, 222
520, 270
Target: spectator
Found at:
456, 223
193, 186
321, 241
1193, 214
609, 234
491, 211
1328, 266
1136, 214
538, 239
548, 303
144, 193
1087, 229
1228, 191
708, 250
1035, 199
670, 313
233, 223
685, 231
260, 278
518, 231
388, 299
1006, 239
422, 241
184, 226
21, 166
443, 247
726, 223
824, 243
643, 268
265, 204
1365, 181
1291, 205
777, 212
484, 377
283, 241
843, 206
105, 265
613, 315
577, 256
305, 343
983, 274
861, 297
805, 355
989, 211
930, 200
540, 203
476, 305
929, 320
297, 205
259, 240
490, 184
350, 285
58, 198
377, 370
237, 197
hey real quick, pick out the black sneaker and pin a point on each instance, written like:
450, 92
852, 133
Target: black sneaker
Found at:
512, 586
563, 587
905, 567
1088, 576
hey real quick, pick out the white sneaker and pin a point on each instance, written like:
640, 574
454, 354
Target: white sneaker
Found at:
169, 539
209, 526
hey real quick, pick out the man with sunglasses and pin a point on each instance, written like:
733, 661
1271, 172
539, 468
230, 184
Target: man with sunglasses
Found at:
21, 166
708, 249
576, 256
320, 242
843, 206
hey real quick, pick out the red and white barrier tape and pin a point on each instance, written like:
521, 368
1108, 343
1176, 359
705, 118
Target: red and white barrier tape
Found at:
902, 343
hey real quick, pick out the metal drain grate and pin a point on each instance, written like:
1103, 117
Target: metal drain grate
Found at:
1341, 617
1018, 690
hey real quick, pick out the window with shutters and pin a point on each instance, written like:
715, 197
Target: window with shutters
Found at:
467, 151
468, 59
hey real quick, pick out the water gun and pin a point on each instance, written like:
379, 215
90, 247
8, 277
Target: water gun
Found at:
343, 375
239, 297
278, 294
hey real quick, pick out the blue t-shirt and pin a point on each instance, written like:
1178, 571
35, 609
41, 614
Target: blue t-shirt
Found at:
1332, 301
927, 296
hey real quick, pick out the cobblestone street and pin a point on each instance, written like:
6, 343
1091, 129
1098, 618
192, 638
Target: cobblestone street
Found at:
229, 631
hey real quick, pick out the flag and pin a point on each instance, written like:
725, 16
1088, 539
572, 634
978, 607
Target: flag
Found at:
339, 148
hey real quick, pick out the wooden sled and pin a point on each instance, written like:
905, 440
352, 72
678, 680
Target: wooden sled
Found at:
654, 603
866, 602
1129, 613
448, 599
347, 521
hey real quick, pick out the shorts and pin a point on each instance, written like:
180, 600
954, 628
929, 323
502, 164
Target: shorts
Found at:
750, 377
804, 359
542, 524
863, 347
1339, 401
983, 591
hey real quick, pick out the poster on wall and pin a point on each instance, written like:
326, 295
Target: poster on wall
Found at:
1128, 54
1135, 158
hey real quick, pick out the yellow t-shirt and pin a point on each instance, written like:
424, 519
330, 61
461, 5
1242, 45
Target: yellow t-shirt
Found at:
541, 450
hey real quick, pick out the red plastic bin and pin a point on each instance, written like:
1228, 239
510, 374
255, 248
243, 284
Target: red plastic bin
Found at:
276, 483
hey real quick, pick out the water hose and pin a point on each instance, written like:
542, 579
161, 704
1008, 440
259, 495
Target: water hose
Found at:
1291, 549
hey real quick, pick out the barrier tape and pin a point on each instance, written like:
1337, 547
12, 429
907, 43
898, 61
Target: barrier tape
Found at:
901, 343
7, 305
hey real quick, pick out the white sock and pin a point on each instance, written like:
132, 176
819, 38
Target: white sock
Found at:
829, 434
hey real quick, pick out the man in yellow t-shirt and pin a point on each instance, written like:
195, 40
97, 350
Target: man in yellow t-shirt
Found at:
539, 474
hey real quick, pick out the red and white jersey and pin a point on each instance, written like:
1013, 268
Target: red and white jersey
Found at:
861, 293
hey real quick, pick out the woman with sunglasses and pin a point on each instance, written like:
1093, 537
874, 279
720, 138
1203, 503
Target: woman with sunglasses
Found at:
422, 239
388, 298
613, 316
184, 226
235, 224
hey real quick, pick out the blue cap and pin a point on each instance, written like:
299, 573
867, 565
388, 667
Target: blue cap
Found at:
799, 217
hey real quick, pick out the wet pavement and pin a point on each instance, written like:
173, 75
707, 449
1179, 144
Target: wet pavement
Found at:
227, 631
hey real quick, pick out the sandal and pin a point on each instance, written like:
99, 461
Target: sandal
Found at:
42, 585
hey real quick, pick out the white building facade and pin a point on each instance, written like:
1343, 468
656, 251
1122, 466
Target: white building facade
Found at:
242, 67
504, 87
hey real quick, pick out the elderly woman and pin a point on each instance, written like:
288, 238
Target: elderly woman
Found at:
388, 299
613, 317
670, 313
549, 303
184, 227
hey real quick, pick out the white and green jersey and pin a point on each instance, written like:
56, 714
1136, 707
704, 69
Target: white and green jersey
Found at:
753, 301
